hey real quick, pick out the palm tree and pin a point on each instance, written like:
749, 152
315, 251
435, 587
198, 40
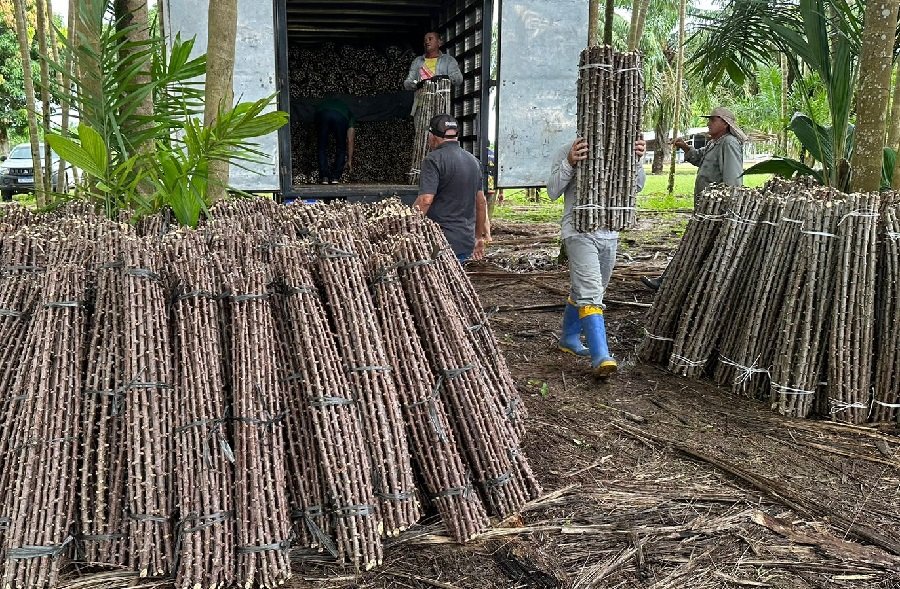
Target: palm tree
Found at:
25, 50
679, 79
873, 93
222, 29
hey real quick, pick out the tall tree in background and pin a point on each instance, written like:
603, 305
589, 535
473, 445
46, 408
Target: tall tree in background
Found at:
222, 33
872, 94
13, 121
65, 85
133, 21
25, 52
41, 32
893, 137
679, 79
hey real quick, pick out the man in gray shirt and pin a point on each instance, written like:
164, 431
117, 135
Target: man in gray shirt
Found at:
450, 190
720, 161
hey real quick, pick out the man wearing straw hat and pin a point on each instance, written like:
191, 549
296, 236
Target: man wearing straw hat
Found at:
720, 161
591, 260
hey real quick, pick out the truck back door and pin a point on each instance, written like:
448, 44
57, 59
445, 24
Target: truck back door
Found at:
540, 44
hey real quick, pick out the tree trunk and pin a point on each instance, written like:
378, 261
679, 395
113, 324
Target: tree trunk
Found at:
608, 23
679, 78
636, 29
593, 21
65, 85
783, 133
219, 81
41, 31
25, 52
88, 27
873, 92
894, 122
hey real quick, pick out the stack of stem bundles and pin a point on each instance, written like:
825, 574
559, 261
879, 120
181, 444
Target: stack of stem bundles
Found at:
610, 98
193, 404
788, 294
432, 98
382, 147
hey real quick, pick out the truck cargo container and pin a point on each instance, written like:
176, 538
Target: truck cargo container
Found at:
299, 50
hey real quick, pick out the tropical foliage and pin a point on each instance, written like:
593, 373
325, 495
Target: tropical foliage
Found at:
821, 41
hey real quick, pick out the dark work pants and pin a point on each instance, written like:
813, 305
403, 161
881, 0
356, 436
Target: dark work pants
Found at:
331, 123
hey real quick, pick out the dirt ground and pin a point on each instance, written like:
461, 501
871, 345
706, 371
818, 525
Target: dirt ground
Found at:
653, 480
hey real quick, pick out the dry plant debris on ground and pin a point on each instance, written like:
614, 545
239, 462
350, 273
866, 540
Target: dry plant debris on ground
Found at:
652, 480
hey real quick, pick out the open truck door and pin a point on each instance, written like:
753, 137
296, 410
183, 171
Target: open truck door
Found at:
254, 73
540, 44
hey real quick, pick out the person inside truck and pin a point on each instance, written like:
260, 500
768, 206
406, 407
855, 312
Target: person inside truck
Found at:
433, 63
334, 120
591, 260
451, 192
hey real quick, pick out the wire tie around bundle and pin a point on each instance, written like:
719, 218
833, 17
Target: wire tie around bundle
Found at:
23, 268
745, 373
307, 514
355, 510
29, 552
143, 273
373, 368
865, 213
499, 481
819, 233
772, 223
101, 537
893, 235
789, 391
146, 517
250, 297
305, 289
595, 66
40, 442
205, 521
431, 402
384, 274
796, 221
511, 409
63, 304
4, 523
199, 294
838, 406
331, 251
682, 361
705, 217
212, 433
888, 405
455, 491
451, 373
735, 218
488, 314
261, 422
295, 376
657, 337
111, 265
282, 545
398, 496
11, 313
326, 401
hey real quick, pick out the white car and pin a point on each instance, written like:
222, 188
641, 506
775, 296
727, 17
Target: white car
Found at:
17, 172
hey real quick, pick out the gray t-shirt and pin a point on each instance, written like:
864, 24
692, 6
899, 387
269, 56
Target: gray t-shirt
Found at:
453, 176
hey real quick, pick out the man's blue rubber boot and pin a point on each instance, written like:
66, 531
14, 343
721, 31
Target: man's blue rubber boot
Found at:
571, 332
594, 326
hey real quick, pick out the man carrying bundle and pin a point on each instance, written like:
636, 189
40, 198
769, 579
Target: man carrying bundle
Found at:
432, 64
591, 260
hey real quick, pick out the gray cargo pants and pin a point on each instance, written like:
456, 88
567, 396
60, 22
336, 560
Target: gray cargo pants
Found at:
591, 261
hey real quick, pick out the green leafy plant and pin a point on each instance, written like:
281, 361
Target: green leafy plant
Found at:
144, 159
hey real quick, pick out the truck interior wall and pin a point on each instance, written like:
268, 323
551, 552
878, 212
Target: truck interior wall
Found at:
375, 65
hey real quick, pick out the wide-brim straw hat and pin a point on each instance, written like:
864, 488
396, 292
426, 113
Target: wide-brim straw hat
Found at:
728, 116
